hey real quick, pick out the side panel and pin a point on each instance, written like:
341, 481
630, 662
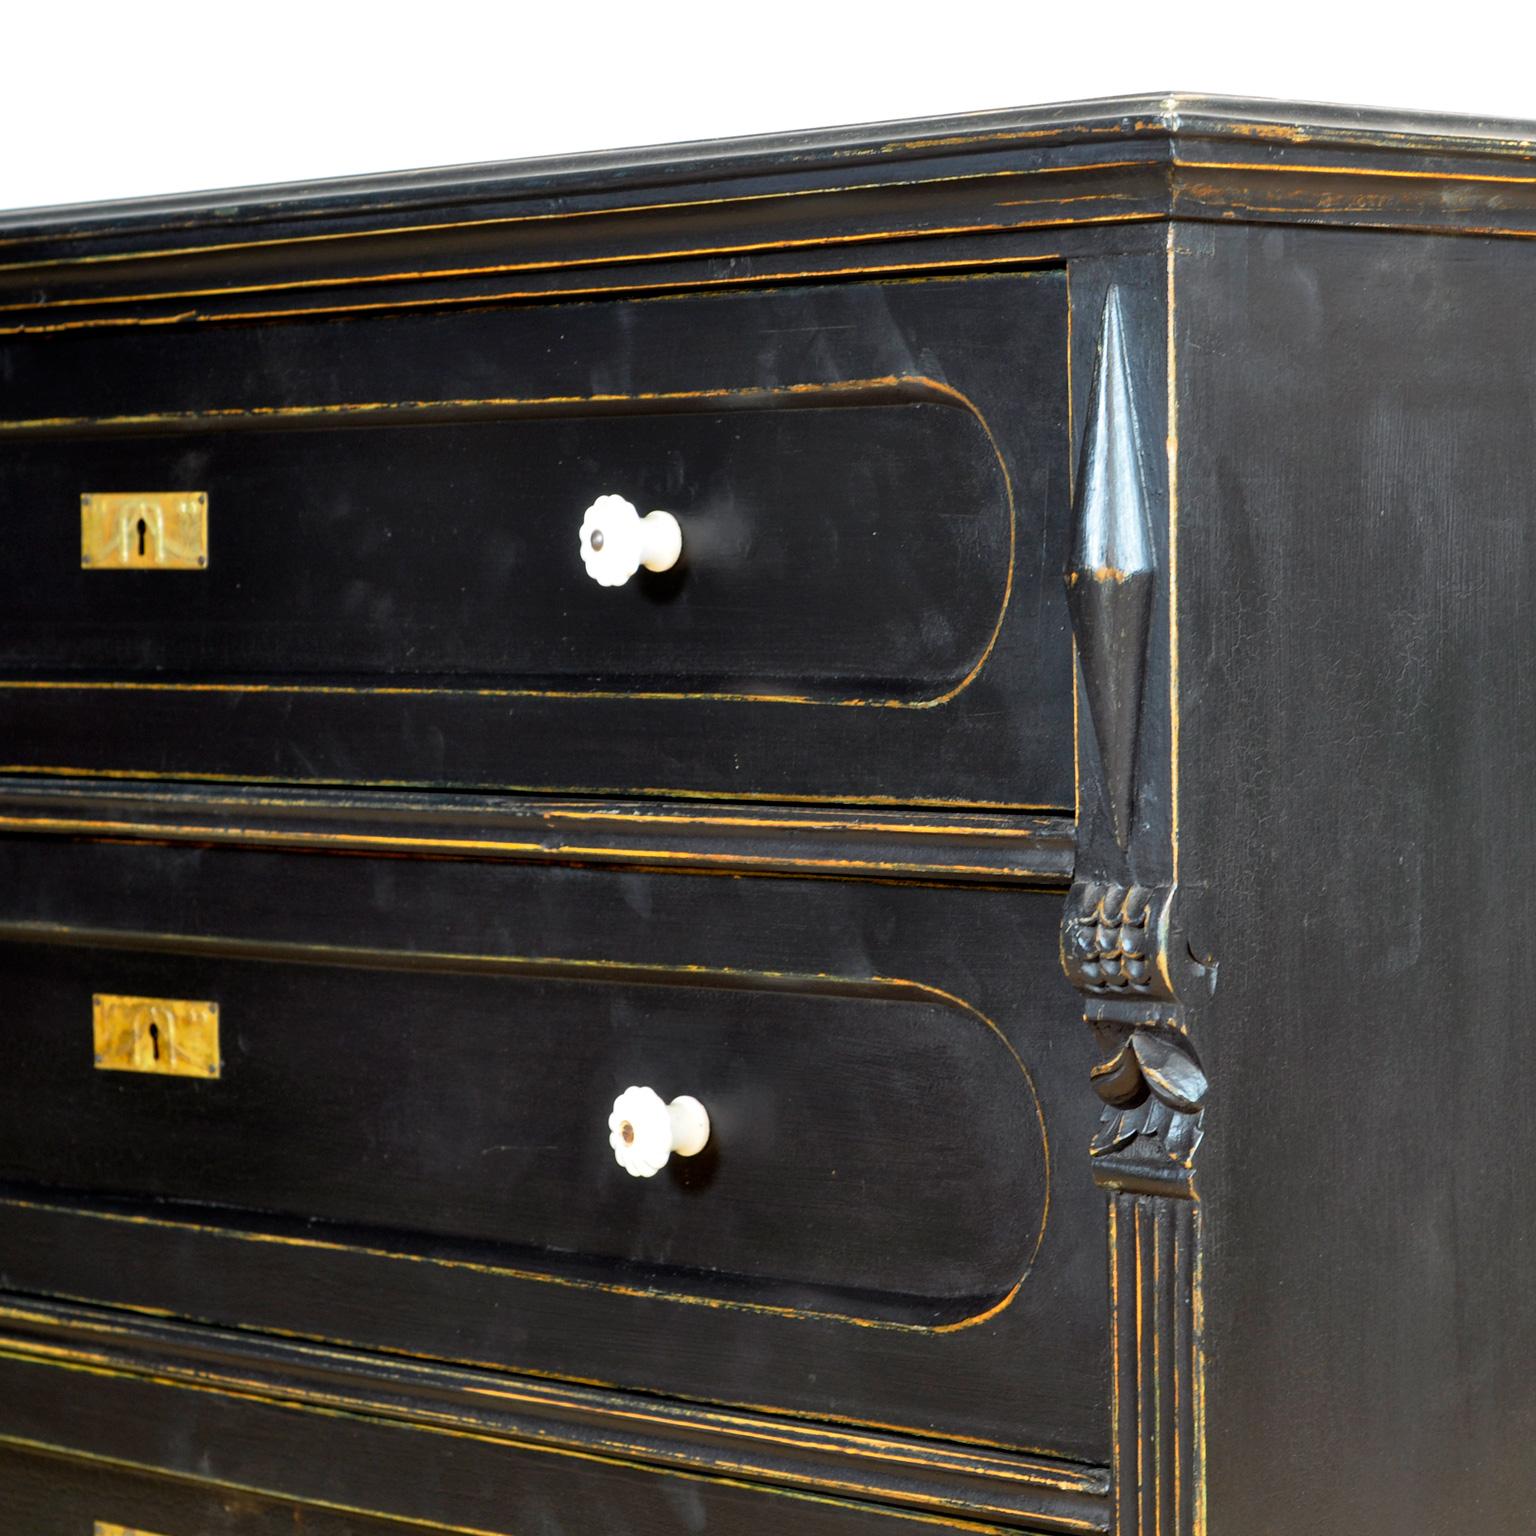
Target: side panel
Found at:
1356, 558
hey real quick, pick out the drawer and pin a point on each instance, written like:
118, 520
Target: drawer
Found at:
123, 1452
367, 1101
870, 480
53, 1495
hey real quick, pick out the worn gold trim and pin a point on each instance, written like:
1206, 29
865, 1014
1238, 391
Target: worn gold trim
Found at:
881, 1468
1171, 448
1357, 173
637, 290
560, 215
1077, 771
510, 847
714, 796
607, 258
1005, 1464
57, 1207
745, 247
792, 1416
307, 1501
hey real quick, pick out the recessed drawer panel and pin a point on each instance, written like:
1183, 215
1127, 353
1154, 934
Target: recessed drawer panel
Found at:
372, 1101
354, 550
465, 1106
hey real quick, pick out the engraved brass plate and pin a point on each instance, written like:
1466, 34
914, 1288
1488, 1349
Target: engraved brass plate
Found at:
144, 530
103, 1529
156, 1034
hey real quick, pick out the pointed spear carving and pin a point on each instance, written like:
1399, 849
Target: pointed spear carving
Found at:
1112, 569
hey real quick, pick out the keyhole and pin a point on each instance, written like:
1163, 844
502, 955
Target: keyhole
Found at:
154, 1029
143, 531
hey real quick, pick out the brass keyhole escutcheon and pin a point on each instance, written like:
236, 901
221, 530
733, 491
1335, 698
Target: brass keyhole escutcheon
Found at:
144, 531
162, 1035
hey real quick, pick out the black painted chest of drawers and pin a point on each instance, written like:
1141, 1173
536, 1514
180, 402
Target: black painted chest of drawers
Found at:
1085, 579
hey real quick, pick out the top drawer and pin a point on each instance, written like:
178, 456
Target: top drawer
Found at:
870, 480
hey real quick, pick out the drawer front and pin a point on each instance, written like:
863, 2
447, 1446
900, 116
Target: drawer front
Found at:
870, 482
386, 1122
468, 1106
166, 1461
53, 1495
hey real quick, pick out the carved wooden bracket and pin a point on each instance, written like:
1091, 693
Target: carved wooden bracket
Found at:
1122, 948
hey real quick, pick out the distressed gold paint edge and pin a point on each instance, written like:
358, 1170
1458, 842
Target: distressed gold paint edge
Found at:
1358, 173
960, 1003
1030, 1469
935, 269
1176, 1255
824, 241
1198, 1493
639, 1456
939, 831
976, 1528
1065, 1479
1077, 772
714, 796
390, 231
779, 1411
905, 269
941, 391
1176, 164
500, 1272
1442, 229
921, 880
364, 842
1197, 1382
1171, 1452
903, 386
577, 969
1115, 1326
1171, 451
1143, 1481
958, 829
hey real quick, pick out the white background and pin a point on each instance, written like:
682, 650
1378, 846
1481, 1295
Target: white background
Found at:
149, 96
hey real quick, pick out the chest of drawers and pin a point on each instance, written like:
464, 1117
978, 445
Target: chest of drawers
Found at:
1091, 588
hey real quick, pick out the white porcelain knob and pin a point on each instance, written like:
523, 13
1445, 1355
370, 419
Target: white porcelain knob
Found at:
616, 541
644, 1130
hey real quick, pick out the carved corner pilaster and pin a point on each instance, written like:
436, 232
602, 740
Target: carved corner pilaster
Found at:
1119, 945
1123, 946
1157, 1388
